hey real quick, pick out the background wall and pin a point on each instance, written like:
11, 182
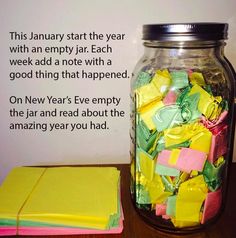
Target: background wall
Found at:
111, 146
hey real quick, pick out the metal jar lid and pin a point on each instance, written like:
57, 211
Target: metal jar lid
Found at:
185, 31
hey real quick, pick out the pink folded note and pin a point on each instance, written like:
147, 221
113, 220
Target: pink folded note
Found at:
170, 98
212, 205
218, 142
190, 159
166, 217
187, 160
211, 124
160, 209
163, 157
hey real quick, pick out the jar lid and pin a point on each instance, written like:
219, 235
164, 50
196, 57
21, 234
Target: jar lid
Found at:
185, 31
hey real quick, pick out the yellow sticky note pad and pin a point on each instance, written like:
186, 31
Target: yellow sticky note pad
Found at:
201, 141
147, 164
67, 196
192, 194
88, 196
147, 112
147, 94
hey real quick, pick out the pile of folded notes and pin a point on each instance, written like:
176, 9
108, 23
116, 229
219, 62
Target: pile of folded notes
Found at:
181, 145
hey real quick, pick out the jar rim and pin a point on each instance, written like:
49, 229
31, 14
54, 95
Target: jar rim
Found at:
185, 31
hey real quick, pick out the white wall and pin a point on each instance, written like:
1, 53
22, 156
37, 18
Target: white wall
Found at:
110, 146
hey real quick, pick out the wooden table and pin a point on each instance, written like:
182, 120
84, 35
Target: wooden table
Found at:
135, 227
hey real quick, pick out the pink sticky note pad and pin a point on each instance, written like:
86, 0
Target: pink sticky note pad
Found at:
218, 142
163, 157
7, 231
160, 209
190, 159
212, 205
170, 98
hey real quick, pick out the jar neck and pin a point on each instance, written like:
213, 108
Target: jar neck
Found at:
204, 48
184, 44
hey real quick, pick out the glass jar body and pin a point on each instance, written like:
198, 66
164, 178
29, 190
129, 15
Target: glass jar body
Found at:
182, 133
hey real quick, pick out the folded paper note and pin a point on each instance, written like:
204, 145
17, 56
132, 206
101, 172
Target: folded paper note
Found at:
190, 159
190, 198
170, 98
147, 94
148, 112
179, 79
182, 133
197, 78
212, 173
168, 184
184, 159
147, 164
212, 205
142, 195
162, 80
166, 170
171, 206
151, 191
156, 190
167, 117
219, 142
163, 157
160, 209
142, 79
208, 105
202, 141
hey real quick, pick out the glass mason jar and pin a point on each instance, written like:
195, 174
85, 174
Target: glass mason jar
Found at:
182, 114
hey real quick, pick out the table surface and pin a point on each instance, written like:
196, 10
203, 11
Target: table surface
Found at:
135, 227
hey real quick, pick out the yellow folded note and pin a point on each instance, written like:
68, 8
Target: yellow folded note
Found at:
190, 198
147, 94
181, 224
162, 80
155, 189
148, 112
147, 164
197, 78
180, 134
201, 141
208, 105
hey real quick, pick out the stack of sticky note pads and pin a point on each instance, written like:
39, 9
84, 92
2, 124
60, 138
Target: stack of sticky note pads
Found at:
60, 201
